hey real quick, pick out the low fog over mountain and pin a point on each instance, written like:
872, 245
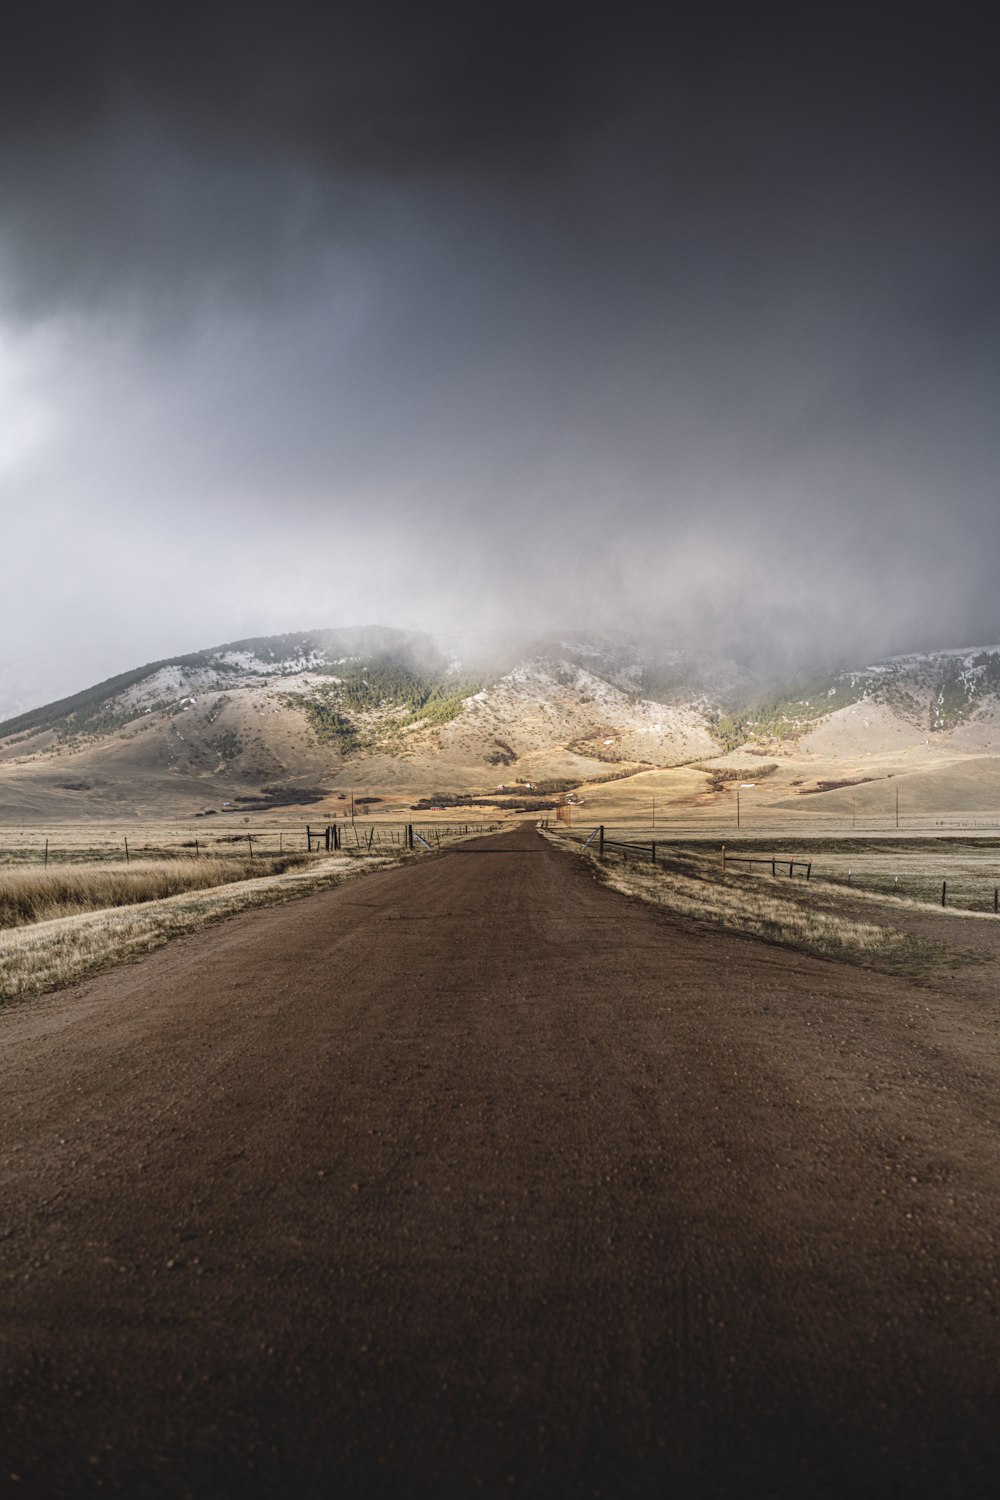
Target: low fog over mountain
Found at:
294, 719
498, 321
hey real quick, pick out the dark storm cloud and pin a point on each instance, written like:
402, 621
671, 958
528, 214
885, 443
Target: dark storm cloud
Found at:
530, 314
388, 85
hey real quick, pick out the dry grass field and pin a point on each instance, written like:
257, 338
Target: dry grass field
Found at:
689, 881
88, 907
872, 901
948, 835
51, 873
29, 894
276, 835
961, 873
800, 793
49, 954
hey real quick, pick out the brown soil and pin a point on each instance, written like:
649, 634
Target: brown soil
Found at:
476, 1178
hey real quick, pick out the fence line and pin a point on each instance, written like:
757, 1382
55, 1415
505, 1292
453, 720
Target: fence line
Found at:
659, 852
773, 860
336, 837
226, 843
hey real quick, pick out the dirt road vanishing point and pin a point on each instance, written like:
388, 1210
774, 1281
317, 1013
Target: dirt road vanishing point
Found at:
475, 1178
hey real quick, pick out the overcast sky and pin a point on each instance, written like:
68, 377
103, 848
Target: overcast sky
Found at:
495, 317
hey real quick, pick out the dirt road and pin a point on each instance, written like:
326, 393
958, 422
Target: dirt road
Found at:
473, 1178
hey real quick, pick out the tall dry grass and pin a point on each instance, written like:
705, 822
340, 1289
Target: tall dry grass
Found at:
46, 955
795, 915
39, 895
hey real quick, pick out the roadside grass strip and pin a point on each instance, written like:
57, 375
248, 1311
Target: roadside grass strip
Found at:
50, 955
745, 904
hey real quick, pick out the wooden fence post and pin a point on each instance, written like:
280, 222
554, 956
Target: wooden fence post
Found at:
250, 843
600, 841
46, 852
944, 893
653, 852
723, 859
126, 852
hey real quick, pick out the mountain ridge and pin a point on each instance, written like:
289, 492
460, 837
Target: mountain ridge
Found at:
385, 708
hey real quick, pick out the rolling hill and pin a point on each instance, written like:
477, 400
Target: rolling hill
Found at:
292, 719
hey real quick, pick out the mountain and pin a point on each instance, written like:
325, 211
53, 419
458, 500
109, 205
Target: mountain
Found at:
954, 692
286, 719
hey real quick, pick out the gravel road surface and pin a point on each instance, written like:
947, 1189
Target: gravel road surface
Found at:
475, 1178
